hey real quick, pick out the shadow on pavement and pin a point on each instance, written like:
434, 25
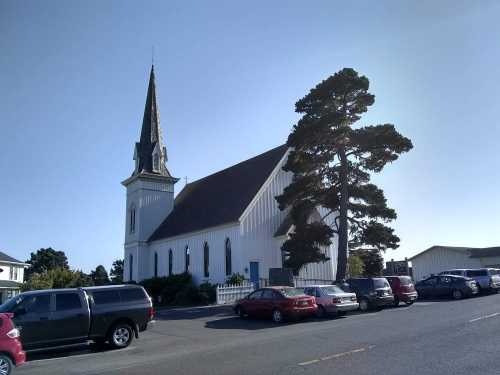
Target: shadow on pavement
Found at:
194, 313
249, 324
73, 350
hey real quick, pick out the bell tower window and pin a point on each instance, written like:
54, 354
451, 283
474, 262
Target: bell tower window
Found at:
156, 162
132, 219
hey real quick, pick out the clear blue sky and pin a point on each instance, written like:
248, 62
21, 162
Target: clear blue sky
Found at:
73, 80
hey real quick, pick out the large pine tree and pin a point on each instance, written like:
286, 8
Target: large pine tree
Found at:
331, 161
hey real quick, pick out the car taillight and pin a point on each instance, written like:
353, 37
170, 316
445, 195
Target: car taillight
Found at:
13, 333
151, 313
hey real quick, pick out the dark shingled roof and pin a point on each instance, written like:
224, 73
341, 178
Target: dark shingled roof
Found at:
7, 258
485, 252
219, 198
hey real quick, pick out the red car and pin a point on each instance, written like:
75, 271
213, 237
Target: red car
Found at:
11, 349
278, 303
403, 289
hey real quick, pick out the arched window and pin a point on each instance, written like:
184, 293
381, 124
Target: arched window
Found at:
156, 264
206, 260
229, 268
186, 259
170, 262
131, 267
132, 219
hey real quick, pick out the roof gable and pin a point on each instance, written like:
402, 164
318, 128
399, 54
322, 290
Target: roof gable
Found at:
7, 258
220, 198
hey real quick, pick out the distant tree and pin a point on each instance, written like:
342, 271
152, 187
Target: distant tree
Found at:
331, 163
373, 262
100, 276
37, 281
57, 278
355, 266
116, 272
45, 260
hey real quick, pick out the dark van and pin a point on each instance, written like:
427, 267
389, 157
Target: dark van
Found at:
374, 292
57, 317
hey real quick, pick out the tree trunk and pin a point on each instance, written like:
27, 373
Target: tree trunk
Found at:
344, 198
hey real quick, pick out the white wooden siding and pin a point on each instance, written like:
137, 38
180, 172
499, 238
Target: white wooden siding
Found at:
215, 237
439, 259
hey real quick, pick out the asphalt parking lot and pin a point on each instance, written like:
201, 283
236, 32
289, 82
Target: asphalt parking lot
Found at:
429, 337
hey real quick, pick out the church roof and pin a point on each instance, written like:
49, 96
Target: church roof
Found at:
219, 198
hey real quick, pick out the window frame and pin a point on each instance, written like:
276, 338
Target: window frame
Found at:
132, 219
155, 265
228, 258
206, 260
187, 258
170, 262
131, 266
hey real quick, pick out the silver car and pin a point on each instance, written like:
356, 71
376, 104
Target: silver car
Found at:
332, 300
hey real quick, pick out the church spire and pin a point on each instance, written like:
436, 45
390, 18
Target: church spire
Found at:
150, 153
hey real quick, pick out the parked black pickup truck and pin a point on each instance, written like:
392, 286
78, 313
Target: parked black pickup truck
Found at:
57, 317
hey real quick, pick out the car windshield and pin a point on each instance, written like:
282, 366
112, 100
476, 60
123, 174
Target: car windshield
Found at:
380, 283
292, 292
10, 304
332, 289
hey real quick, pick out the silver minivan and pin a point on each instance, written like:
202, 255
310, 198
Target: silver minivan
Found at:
488, 279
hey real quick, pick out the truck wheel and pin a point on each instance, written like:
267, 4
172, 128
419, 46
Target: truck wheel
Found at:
396, 301
121, 335
5, 365
364, 305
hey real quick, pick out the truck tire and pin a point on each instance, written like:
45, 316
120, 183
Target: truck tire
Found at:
120, 335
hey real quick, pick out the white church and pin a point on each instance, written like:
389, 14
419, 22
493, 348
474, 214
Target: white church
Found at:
228, 222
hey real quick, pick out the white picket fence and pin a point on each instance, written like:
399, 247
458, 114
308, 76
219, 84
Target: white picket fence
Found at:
230, 293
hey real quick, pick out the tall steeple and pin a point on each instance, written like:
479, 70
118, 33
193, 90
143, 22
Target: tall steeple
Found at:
150, 153
150, 190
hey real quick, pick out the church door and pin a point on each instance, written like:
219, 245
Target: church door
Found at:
254, 273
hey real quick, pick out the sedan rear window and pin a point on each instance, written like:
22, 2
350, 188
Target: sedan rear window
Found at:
292, 292
333, 289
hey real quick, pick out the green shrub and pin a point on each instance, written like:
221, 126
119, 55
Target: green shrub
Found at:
208, 293
235, 279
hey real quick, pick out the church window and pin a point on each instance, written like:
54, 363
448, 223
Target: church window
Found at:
156, 162
170, 261
186, 258
227, 252
206, 260
156, 264
130, 266
132, 219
